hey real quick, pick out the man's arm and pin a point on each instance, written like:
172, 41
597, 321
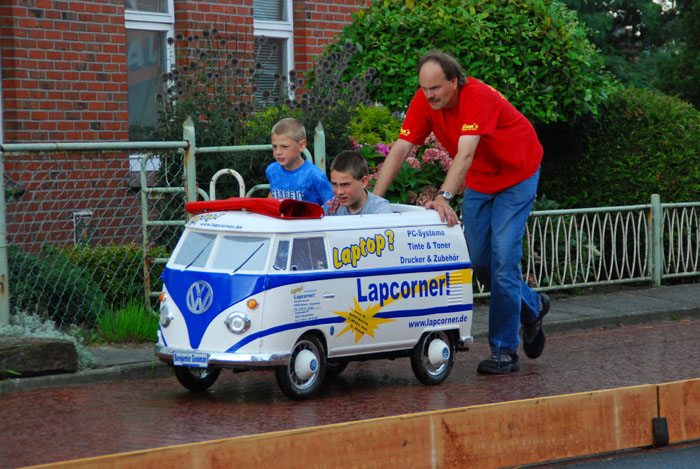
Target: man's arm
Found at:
455, 177
391, 166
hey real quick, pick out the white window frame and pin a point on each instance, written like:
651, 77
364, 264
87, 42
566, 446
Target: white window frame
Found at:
151, 16
152, 21
280, 30
149, 21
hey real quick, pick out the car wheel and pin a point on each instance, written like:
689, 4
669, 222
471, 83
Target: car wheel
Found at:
303, 376
196, 379
433, 356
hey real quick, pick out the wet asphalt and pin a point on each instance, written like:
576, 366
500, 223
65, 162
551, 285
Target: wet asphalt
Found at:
624, 337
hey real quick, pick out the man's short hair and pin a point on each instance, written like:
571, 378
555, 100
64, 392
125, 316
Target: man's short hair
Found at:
290, 127
351, 162
450, 67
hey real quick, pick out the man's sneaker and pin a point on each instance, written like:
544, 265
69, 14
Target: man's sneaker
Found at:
533, 334
499, 364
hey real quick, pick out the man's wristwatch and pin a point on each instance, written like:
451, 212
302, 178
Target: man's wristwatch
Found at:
446, 195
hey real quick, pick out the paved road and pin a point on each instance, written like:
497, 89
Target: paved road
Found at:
685, 456
68, 422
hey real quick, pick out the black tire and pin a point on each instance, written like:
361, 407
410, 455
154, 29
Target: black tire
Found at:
335, 366
294, 386
196, 379
425, 371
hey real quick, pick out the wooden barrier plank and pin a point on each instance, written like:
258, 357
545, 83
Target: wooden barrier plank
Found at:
493, 435
402, 441
679, 403
550, 428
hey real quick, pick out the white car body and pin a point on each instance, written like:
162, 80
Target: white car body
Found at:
241, 288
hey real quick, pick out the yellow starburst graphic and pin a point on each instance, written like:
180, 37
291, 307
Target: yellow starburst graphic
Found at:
361, 321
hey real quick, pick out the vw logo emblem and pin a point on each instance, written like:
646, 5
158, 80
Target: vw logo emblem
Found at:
199, 297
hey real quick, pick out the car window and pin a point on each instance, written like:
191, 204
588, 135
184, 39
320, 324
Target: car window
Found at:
309, 254
195, 249
242, 252
282, 255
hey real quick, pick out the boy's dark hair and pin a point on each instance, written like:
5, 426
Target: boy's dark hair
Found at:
450, 67
290, 127
352, 162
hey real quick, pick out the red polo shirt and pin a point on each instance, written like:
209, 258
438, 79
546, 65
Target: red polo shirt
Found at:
508, 151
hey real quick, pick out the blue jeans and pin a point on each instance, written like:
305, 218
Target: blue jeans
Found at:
494, 226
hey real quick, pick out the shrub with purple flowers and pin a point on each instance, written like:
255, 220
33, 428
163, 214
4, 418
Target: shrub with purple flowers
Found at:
221, 89
420, 176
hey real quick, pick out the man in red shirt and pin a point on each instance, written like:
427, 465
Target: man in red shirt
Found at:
497, 155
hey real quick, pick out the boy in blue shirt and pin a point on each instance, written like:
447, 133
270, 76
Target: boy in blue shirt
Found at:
290, 176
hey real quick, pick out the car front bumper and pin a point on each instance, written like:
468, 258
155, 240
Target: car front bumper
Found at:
227, 360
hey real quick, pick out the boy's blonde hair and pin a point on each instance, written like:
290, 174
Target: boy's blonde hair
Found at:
290, 127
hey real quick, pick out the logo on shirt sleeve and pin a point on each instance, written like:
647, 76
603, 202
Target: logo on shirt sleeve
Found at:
470, 127
405, 132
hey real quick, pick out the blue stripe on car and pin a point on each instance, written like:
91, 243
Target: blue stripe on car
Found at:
230, 289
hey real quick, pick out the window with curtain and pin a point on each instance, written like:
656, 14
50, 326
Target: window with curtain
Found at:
149, 24
274, 48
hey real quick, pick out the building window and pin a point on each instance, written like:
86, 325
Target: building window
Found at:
274, 46
149, 24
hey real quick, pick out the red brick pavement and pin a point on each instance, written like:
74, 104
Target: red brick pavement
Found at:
80, 421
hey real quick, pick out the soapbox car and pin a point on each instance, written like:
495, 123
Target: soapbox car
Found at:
273, 283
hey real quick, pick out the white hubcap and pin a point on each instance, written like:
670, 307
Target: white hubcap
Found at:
305, 364
438, 352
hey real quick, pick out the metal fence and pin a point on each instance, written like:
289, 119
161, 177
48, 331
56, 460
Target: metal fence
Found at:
70, 230
610, 245
82, 232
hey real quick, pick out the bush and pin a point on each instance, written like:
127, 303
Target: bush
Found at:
535, 53
117, 270
54, 288
642, 142
375, 124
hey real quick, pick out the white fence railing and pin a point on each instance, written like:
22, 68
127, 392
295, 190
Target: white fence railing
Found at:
598, 246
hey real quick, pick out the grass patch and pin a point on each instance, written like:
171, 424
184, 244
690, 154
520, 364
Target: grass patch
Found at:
131, 323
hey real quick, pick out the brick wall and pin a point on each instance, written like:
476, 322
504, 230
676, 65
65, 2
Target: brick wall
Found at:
64, 62
316, 23
64, 70
64, 78
47, 190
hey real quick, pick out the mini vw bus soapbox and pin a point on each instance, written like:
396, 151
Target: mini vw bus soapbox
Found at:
268, 283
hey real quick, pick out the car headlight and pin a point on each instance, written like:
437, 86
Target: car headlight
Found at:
237, 323
165, 316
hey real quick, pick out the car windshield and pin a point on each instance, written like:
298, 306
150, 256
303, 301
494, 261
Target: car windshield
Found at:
241, 252
195, 249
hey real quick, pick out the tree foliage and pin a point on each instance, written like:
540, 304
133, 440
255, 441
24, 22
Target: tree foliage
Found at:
678, 64
626, 31
534, 52
647, 43
641, 142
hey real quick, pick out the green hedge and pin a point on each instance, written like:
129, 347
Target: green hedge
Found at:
534, 52
117, 269
642, 142
375, 124
53, 288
